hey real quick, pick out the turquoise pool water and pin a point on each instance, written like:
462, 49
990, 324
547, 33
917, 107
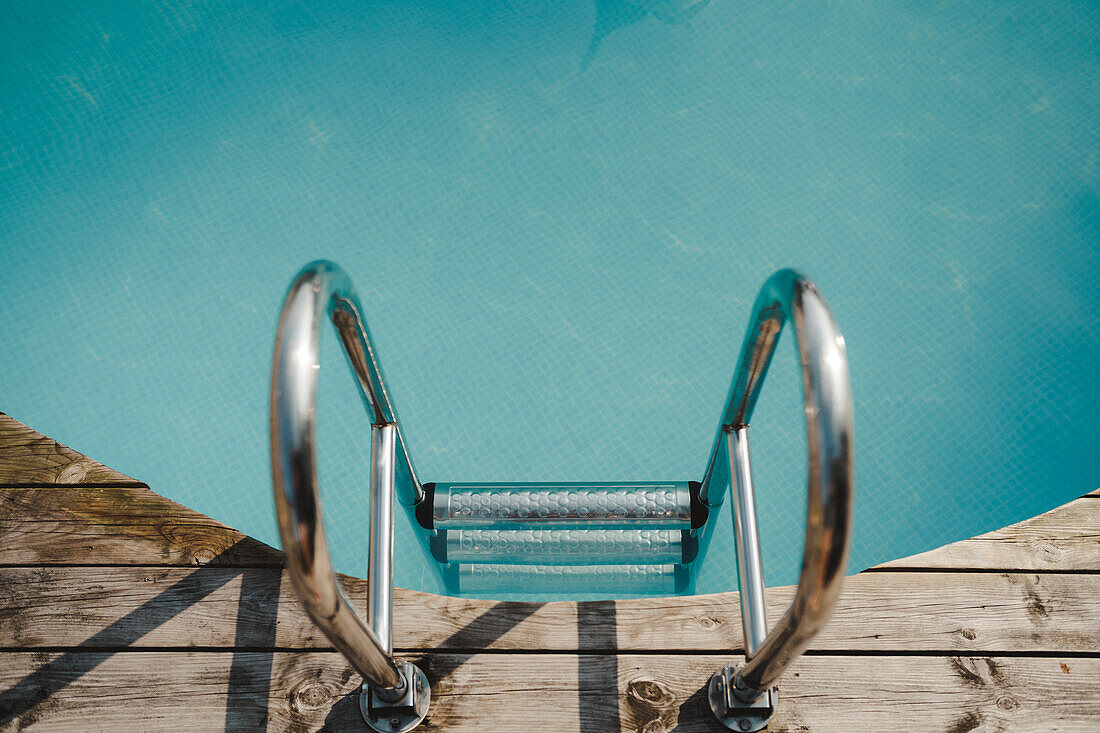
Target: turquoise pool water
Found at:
557, 215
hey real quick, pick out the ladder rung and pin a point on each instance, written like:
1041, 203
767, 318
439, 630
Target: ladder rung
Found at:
501, 579
627, 505
564, 546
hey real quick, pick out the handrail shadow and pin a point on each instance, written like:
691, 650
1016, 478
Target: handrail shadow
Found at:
256, 623
257, 611
598, 674
476, 635
597, 647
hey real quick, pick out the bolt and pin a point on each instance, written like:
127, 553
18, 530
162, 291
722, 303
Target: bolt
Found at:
395, 722
744, 724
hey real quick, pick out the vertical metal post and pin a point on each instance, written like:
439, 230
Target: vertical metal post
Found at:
380, 550
401, 709
750, 568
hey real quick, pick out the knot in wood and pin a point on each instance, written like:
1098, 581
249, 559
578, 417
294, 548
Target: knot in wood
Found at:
73, 473
1047, 551
311, 696
649, 694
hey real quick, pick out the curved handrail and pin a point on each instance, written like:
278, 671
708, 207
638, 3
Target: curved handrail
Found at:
321, 290
789, 295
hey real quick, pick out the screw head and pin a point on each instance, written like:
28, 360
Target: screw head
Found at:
395, 723
744, 724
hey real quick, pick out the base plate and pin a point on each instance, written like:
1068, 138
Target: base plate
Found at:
404, 714
733, 712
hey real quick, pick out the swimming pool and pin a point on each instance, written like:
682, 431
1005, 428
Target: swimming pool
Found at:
558, 217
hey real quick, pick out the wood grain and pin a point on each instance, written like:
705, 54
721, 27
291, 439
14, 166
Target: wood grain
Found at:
1065, 538
132, 525
111, 608
557, 692
122, 610
117, 526
29, 457
135, 526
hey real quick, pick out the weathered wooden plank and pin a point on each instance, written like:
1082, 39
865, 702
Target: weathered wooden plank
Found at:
187, 691
1065, 538
110, 608
248, 605
948, 612
29, 457
136, 526
116, 525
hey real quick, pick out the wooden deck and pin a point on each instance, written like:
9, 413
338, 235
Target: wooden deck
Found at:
122, 610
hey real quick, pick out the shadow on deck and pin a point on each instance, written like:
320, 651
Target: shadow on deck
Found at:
120, 609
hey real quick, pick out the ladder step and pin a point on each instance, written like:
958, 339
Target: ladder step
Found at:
564, 546
502, 580
634, 505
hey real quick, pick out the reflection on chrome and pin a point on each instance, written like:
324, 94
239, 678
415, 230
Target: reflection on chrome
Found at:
393, 691
743, 699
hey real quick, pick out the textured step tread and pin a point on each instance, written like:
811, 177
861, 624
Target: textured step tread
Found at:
627, 580
635, 504
564, 546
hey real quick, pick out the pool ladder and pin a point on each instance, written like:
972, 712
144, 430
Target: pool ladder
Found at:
634, 537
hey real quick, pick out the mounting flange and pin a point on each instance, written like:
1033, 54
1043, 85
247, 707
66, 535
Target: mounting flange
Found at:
736, 705
398, 715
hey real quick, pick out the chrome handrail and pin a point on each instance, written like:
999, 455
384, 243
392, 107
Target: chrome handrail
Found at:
397, 690
743, 698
